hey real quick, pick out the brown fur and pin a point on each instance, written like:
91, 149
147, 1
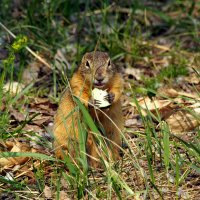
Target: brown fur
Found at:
83, 81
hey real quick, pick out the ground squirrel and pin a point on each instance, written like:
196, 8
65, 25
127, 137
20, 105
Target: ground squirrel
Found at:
95, 71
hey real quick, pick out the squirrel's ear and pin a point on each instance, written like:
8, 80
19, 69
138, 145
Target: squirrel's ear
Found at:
84, 57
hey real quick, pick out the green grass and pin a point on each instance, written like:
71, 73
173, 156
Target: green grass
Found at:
156, 160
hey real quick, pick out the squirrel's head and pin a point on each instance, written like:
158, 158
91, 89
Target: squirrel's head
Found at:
97, 69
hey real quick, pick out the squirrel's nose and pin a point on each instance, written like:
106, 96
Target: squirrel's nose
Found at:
99, 78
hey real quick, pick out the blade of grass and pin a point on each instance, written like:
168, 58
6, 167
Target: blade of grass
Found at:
27, 154
166, 147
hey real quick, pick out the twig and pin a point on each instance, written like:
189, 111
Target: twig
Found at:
27, 48
111, 8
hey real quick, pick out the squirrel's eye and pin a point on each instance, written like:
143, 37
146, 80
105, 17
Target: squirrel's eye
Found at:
109, 65
87, 65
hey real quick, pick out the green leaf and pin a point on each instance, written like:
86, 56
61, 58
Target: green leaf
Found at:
86, 116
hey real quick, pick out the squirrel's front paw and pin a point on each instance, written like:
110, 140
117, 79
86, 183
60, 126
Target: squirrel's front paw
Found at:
94, 103
110, 97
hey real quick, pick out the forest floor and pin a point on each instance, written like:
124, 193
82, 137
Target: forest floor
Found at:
155, 44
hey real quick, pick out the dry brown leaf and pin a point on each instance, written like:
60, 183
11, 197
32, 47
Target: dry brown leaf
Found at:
47, 192
25, 170
39, 100
172, 93
63, 195
17, 115
41, 119
149, 104
134, 121
64, 184
28, 169
190, 95
33, 128
7, 144
43, 105
180, 101
182, 121
193, 79
169, 92
131, 122
146, 104
17, 147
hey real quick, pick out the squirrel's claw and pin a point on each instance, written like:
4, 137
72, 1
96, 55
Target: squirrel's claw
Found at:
94, 102
110, 97
97, 102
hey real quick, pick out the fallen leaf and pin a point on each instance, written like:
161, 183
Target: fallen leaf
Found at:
135, 121
190, 95
64, 184
63, 195
172, 93
43, 105
149, 104
34, 128
130, 122
25, 170
41, 119
39, 100
146, 104
17, 147
17, 115
7, 144
193, 79
169, 92
47, 192
13, 87
182, 121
